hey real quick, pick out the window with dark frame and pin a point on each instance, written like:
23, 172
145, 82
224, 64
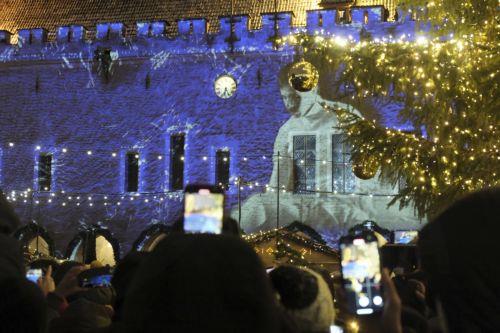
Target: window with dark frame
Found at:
132, 172
177, 142
343, 16
44, 172
304, 163
222, 168
343, 178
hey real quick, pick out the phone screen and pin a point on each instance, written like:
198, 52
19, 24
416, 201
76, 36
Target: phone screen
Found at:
361, 274
404, 236
97, 281
336, 329
34, 274
203, 212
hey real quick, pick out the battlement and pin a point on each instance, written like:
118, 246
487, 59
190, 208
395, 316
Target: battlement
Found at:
234, 34
20, 14
328, 19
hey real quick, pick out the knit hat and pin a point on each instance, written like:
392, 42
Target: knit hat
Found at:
305, 297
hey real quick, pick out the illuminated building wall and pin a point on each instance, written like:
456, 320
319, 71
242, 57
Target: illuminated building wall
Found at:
89, 103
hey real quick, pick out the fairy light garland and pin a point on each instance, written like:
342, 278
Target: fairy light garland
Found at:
65, 198
284, 249
264, 236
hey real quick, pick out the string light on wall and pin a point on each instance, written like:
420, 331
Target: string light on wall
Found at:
64, 198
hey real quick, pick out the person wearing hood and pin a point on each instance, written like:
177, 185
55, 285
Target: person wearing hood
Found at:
11, 254
459, 253
9, 221
23, 308
123, 275
201, 283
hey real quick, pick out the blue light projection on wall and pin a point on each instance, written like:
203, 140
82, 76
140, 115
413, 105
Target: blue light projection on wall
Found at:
88, 124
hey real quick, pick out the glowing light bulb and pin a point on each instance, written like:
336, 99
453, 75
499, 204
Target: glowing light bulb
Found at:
422, 41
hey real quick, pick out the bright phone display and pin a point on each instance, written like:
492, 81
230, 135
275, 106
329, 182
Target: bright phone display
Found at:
203, 209
96, 281
34, 274
404, 236
336, 329
360, 263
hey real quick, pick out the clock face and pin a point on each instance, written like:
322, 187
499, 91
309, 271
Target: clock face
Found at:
225, 86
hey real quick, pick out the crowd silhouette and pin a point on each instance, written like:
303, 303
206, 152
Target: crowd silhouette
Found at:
217, 283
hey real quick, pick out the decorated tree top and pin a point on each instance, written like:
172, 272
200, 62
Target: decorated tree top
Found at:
446, 84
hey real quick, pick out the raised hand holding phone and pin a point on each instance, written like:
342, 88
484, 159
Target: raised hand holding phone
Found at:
391, 317
69, 283
361, 273
46, 282
34, 274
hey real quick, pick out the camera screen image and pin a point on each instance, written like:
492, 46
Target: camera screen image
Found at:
97, 281
336, 329
203, 212
361, 274
404, 237
34, 274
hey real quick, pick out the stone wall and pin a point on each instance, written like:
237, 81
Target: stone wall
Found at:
75, 110
55, 98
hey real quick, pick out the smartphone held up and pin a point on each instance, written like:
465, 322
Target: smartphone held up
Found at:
95, 277
34, 274
203, 209
404, 236
361, 273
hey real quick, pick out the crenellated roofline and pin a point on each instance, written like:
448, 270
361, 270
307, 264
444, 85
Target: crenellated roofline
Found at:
50, 15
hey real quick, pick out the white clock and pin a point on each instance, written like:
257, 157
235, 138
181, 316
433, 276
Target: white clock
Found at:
225, 86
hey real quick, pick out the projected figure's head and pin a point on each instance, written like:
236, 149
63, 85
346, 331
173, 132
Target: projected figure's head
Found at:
297, 103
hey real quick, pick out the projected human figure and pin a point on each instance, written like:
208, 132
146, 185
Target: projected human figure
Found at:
316, 202
308, 117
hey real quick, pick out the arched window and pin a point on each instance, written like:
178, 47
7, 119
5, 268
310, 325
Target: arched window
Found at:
95, 243
151, 237
36, 240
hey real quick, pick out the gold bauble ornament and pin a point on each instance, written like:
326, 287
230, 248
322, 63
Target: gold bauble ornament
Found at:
303, 76
366, 167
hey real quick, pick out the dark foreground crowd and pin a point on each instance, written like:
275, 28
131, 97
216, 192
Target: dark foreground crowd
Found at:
210, 283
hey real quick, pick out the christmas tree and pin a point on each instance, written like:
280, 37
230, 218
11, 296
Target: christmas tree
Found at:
445, 81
